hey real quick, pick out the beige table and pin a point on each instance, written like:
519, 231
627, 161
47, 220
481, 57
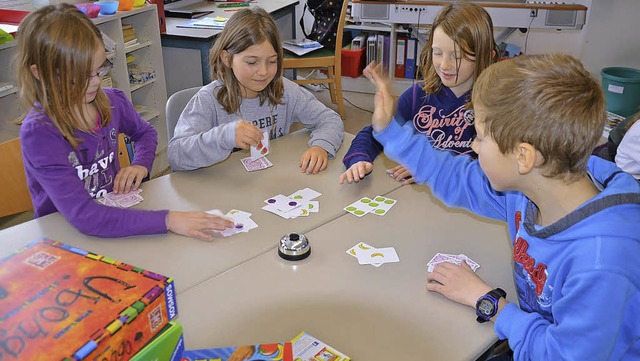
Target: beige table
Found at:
369, 313
225, 186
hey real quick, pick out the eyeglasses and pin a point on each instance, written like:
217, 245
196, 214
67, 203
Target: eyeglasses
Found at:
469, 116
103, 70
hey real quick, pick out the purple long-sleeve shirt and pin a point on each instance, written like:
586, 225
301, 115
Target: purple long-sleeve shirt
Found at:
68, 180
439, 116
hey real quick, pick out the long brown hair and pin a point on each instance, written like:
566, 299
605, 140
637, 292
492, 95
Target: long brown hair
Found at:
245, 28
60, 41
471, 29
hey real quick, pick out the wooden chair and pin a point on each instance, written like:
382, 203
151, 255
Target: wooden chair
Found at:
326, 59
13, 182
123, 152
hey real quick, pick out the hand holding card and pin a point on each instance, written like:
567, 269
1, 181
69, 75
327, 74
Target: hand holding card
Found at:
262, 148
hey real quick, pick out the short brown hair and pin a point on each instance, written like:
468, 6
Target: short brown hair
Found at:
471, 29
549, 101
60, 41
245, 28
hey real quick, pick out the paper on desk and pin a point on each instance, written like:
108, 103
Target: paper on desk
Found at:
298, 50
217, 22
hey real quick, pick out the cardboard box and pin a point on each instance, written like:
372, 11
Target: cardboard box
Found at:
260, 352
167, 345
58, 302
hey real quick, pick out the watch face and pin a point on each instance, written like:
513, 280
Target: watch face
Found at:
485, 307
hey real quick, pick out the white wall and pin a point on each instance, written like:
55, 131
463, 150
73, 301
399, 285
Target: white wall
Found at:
610, 37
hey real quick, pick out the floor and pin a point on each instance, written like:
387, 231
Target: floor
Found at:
358, 109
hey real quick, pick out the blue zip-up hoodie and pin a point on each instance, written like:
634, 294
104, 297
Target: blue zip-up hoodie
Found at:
439, 116
578, 280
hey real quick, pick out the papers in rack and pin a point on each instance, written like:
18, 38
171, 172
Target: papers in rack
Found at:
217, 22
301, 46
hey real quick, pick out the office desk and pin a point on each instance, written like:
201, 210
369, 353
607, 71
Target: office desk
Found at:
177, 41
368, 313
225, 186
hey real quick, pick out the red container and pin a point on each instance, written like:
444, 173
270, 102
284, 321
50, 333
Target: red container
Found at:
353, 62
12, 17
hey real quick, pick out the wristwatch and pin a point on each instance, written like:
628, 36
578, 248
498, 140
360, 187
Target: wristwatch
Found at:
487, 305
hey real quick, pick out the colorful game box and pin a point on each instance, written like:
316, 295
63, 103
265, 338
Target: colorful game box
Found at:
260, 352
167, 345
309, 348
59, 302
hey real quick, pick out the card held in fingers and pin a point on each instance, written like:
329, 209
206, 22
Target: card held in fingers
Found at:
262, 148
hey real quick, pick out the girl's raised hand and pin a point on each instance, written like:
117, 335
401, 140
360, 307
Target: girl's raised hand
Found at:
383, 101
247, 135
314, 160
129, 178
196, 224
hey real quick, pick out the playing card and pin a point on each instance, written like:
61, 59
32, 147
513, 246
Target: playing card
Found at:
122, 200
242, 222
306, 193
380, 205
359, 249
360, 207
313, 206
262, 148
451, 258
378, 255
254, 165
283, 203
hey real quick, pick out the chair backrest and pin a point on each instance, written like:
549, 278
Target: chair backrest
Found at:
175, 104
340, 31
13, 182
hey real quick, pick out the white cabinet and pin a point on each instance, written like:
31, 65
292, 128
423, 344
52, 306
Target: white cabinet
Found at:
147, 53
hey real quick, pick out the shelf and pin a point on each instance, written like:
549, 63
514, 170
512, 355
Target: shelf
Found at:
4, 93
135, 87
137, 46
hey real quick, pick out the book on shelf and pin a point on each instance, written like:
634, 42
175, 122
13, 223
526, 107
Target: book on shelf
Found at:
410, 63
78, 305
401, 56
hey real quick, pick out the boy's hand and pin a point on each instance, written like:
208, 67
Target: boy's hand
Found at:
247, 135
383, 101
457, 283
314, 160
129, 178
196, 224
401, 174
356, 172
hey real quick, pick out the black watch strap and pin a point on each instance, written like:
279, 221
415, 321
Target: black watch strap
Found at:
498, 293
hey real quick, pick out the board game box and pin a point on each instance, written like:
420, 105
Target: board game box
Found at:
59, 302
260, 352
167, 345
308, 348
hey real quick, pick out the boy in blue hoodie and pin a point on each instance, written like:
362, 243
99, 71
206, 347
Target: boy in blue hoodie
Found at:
573, 219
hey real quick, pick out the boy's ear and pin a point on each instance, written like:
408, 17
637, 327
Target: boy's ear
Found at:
34, 71
226, 58
527, 157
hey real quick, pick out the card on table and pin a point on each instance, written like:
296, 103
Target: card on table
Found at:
254, 165
451, 258
262, 148
242, 221
360, 207
381, 205
306, 193
283, 203
122, 200
359, 249
378, 255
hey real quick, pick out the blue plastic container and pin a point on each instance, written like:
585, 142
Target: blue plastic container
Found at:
108, 7
622, 90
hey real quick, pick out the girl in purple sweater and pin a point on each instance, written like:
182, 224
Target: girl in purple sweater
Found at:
69, 136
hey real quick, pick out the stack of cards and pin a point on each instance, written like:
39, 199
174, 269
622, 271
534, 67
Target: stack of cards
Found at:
298, 204
451, 258
379, 205
367, 254
241, 219
121, 200
258, 164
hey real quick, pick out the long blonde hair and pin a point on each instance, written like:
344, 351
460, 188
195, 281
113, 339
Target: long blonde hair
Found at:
245, 28
471, 29
60, 41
